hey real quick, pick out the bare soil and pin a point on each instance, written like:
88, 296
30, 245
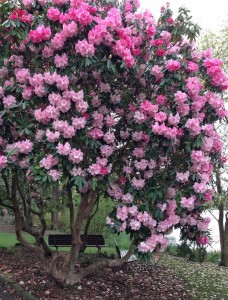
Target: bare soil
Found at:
7, 293
137, 280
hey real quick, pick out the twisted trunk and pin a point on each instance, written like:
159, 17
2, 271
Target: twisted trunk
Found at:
62, 266
18, 223
86, 230
225, 251
65, 279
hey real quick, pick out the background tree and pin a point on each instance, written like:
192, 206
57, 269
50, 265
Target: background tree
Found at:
218, 42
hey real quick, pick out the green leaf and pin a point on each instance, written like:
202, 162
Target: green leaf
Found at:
27, 131
44, 179
88, 62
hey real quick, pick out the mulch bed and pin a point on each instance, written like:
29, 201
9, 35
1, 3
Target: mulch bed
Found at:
137, 281
6, 293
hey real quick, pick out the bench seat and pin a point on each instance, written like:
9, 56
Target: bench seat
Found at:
64, 240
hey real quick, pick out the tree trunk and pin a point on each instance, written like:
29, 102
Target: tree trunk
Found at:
67, 279
225, 251
18, 223
62, 266
86, 230
64, 272
55, 213
223, 230
55, 220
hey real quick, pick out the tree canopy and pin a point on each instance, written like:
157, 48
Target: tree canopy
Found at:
106, 99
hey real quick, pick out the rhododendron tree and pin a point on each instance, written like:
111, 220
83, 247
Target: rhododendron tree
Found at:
106, 99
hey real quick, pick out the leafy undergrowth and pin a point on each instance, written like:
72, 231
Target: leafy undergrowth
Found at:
205, 281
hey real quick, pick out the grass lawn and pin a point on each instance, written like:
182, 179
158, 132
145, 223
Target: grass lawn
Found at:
205, 281
8, 240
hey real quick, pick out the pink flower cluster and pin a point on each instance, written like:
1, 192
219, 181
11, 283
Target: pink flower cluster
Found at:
53, 14
193, 126
24, 147
3, 161
182, 177
188, 203
155, 241
214, 70
182, 106
9, 101
61, 61
98, 169
55, 175
40, 34
203, 240
84, 48
173, 65
203, 225
49, 162
138, 184
21, 15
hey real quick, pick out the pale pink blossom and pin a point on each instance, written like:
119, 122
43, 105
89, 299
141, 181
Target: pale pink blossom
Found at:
182, 177
63, 149
3, 161
9, 101
76, 156
84, 48
138, 184
188, 203
106, 150
70, 30
109, 221
127, 198
52, 136
135, 225
49, 161
193, 126
109, 137
78, 122
122, 213
62, 82
61, 61
203, 225
55, 175
139, 152
141, 165
95, 169
25, 146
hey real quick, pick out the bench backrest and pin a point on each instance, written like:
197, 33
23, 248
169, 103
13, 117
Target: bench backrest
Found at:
65, 240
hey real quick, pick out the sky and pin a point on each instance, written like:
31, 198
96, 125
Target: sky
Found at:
209, 14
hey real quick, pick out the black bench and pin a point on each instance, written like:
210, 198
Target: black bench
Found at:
64, 240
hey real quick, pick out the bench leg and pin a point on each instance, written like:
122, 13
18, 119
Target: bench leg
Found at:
98, 249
